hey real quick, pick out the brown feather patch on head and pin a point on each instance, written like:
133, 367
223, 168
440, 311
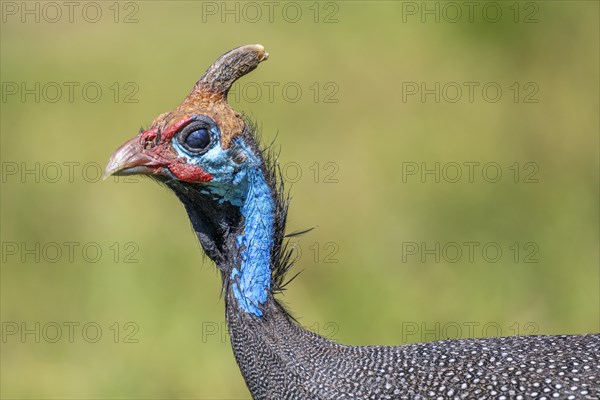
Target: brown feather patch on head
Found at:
209, 95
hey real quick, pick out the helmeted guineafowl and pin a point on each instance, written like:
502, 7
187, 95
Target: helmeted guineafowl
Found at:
209, 156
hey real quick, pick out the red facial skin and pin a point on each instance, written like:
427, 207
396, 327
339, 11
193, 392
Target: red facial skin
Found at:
167, 157
189, 173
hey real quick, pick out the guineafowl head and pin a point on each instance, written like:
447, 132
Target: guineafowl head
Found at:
200, 141
207, 153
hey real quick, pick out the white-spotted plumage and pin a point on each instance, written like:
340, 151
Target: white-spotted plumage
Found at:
281, 360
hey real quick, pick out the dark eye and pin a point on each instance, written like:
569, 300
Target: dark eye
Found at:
198, 135
198, 140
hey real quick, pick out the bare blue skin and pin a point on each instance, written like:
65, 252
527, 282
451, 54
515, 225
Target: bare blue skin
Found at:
243, 185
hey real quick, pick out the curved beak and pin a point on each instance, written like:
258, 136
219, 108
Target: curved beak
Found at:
130, 159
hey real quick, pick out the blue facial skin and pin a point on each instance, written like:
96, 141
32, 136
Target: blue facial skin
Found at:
243, 185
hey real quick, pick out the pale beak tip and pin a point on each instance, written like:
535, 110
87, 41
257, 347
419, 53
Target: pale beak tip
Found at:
111, 168
107, 173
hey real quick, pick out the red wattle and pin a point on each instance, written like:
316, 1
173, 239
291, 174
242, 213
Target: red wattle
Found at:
189, 173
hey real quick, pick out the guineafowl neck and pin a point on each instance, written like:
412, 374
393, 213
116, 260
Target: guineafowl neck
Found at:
236, 230
243, 235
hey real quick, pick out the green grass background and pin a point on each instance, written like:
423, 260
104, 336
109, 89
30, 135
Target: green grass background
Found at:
367, 297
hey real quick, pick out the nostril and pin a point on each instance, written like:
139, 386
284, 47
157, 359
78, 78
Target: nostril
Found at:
149, 139
148, 143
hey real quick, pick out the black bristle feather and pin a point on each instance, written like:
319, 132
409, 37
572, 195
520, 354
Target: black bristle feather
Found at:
282, 256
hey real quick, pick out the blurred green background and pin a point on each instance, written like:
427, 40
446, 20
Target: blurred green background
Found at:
346, 139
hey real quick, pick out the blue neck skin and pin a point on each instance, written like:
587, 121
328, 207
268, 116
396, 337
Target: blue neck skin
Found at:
251, 283
249, 191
